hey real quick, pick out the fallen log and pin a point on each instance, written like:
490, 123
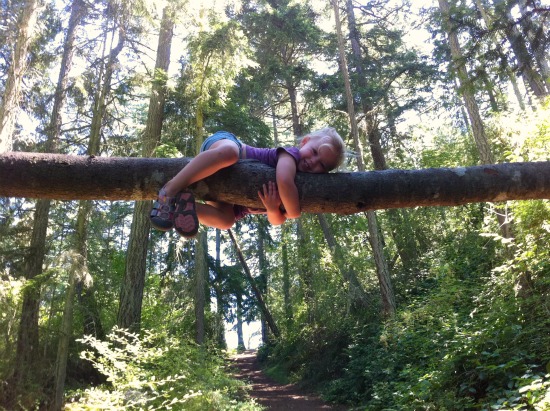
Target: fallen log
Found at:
65, 177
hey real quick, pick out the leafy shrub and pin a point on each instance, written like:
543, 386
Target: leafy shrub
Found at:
157, 373
477, 339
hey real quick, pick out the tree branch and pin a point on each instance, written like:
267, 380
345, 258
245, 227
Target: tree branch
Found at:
63, 177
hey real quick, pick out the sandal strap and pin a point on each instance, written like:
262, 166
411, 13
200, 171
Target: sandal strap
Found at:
162, 209
160, 213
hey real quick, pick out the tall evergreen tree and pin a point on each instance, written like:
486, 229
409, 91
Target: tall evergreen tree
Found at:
376, 242
283, 36
131, 296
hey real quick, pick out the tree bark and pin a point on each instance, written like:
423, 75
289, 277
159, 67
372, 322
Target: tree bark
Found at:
104, 88
78, 11
131, 293
29, 320
62, 177
99, 111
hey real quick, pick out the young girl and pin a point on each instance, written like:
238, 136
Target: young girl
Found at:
318, 152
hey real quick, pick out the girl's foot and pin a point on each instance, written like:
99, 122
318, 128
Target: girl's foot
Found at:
162, 213
185, 219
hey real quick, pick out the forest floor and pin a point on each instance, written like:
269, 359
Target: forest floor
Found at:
270, 394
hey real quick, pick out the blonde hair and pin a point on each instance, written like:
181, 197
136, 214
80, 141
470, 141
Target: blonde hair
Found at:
333, 141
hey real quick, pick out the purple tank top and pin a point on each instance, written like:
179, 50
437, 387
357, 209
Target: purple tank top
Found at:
269, 156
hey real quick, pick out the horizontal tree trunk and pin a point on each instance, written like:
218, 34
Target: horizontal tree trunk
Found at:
64, 177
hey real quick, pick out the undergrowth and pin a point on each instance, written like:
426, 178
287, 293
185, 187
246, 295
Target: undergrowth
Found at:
155, 372
477, 339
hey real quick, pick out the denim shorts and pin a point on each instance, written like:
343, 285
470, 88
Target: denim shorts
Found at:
221, 135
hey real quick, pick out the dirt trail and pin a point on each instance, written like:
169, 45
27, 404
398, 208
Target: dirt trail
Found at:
274, 396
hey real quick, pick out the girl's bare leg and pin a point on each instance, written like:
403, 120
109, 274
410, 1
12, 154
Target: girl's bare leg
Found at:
217, 215
223, 153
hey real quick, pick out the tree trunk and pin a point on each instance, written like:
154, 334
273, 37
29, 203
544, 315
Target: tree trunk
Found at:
78, 11
240, 338
157, 101
382, 269
28, 332
220, 329
495, 38
388, 299
478, 130
408, 254
358, 297
104, 88
99, 111
536, 37
286, 277
296, 126
92, 321
517, 42
201, 281
263, 278
256, 291
131, 293
26, 354
136, 257
77, 268
9, 108
34, 175
305, 270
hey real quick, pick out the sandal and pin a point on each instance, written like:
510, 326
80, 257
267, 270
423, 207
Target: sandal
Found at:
162, 213
185, 219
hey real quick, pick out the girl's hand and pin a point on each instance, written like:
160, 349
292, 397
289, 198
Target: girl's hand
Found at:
272, 203
270, 196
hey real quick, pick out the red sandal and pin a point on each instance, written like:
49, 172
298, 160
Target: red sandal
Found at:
185, 219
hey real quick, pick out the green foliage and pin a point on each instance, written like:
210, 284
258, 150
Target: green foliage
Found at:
10, 292
310, 356
477, 337
157, 373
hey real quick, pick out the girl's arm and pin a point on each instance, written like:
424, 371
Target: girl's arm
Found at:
285, 172
272, 203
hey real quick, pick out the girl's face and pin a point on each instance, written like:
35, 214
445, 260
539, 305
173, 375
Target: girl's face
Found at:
316, 156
